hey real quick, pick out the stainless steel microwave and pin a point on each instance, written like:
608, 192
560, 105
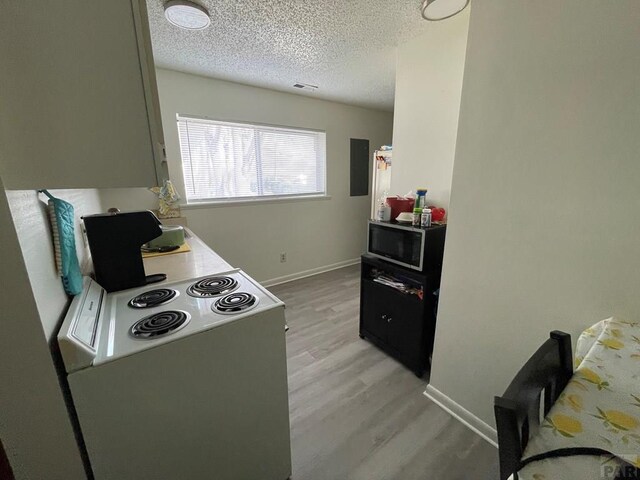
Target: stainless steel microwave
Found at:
412, 247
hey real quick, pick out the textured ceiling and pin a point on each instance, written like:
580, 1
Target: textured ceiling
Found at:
346, 47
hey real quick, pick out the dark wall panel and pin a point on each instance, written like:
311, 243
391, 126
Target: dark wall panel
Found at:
359, 167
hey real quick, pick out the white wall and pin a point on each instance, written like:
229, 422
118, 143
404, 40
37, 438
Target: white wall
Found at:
428, 87
545, 207
34, 233
313, 233
34, 424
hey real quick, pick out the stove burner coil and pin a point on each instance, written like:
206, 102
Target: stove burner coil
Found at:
212, 287
235, 303
153, 298
159, 324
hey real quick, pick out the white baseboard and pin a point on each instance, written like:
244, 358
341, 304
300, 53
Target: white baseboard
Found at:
462, 414
309, 273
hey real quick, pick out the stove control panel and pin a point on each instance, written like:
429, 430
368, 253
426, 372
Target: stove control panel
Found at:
78, 337
85, 327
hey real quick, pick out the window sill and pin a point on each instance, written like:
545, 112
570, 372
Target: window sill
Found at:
252, 202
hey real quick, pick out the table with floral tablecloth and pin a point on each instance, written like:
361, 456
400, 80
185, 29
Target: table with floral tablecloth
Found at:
600, 407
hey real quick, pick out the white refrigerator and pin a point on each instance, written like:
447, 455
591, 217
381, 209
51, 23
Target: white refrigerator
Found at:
381, 183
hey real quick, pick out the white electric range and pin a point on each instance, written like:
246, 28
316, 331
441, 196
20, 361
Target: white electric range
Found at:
183, 380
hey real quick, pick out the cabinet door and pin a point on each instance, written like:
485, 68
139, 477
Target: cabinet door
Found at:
78, 98
405, 325
374, 310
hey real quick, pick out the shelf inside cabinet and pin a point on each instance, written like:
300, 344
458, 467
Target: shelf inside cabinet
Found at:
393, 291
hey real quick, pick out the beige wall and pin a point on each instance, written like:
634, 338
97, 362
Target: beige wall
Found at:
545, 207
428, 88
34, 233
34, 424
313, 233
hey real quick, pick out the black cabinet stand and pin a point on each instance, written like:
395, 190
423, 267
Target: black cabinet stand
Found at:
401, 324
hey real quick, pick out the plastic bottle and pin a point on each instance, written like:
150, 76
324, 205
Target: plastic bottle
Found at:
417, 213
425, 219
421, 201
383, 213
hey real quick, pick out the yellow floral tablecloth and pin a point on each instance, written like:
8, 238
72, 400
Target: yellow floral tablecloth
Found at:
600, 407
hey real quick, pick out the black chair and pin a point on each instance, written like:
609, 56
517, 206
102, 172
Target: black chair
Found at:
518, 413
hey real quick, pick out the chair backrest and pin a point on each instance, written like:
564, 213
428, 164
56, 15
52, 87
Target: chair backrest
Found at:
518, 412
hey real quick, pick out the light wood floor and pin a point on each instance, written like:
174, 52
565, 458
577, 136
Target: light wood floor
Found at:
357, 414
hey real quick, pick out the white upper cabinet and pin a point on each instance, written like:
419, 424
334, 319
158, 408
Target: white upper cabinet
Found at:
78, 97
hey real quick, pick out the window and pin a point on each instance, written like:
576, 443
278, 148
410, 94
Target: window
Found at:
227, 161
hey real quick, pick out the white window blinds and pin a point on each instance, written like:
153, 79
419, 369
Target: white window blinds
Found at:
223, 160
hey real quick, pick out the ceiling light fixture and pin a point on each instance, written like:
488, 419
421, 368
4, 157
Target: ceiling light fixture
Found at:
440, 9
188, 15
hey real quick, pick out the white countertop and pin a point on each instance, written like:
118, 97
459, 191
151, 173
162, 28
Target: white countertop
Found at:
200, 261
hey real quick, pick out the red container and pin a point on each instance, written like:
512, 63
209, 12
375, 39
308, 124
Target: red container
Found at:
399, 205
437, 214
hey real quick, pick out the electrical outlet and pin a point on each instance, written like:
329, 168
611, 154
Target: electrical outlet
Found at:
283, 257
